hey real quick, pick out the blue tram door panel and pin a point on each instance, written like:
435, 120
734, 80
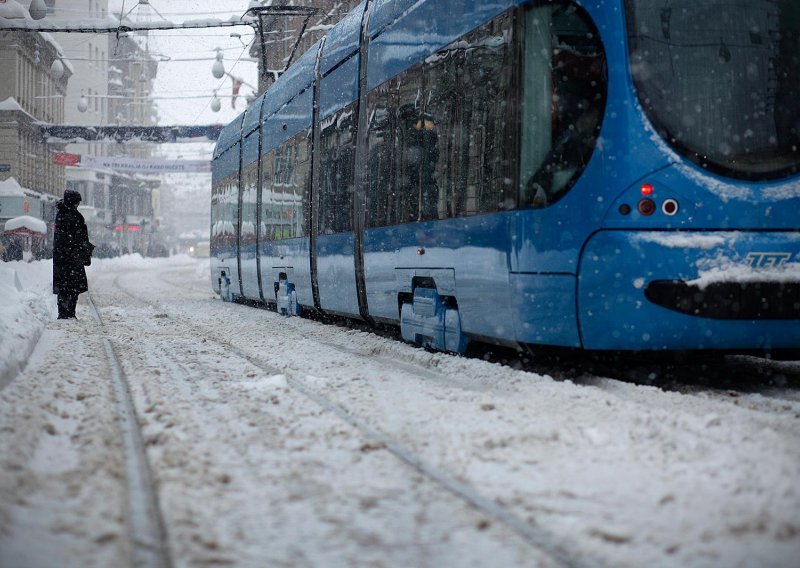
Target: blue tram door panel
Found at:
336, 273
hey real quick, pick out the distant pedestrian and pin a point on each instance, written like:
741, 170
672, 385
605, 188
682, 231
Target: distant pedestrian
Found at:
71, 252
13, 250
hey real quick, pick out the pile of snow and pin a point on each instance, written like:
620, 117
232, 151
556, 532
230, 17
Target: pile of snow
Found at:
136, 263
27, 305
132, 261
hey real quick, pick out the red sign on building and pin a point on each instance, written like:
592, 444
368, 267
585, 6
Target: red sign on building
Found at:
66, 159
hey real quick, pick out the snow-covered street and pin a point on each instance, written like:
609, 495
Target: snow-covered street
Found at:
278, 441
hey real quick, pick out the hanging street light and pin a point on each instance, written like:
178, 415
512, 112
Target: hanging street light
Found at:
83, 104
37, 9
57, 69
215, 103
218, 69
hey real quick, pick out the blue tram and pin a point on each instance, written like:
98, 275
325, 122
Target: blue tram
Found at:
597, 174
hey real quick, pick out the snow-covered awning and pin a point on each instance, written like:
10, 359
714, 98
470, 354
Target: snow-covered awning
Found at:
11, 104
13, 10
25, 224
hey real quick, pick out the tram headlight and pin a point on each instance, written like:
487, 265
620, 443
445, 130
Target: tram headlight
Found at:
669, 207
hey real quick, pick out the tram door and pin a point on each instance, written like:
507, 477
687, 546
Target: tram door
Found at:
335, 242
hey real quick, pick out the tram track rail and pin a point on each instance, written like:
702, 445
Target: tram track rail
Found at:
678, 378
148, 536
534, 535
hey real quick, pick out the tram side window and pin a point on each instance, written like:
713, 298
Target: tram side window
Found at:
282, 187
224, 209
397, 151
268, 217
232, 222
216, 212
286, 178
487, 144
381, 204
221, 216
337, 169
413, 149
440, 145
563, 98
443, 191
248, 232
302, 185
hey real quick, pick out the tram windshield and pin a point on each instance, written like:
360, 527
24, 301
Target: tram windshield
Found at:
720, 80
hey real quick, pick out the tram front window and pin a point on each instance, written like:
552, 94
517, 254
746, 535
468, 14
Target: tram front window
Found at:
563, 98
720, 80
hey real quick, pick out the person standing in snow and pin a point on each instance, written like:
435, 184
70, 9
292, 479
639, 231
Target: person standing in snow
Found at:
71, 252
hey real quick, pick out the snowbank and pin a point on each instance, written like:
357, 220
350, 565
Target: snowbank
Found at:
131, 261
26, 306
27, 302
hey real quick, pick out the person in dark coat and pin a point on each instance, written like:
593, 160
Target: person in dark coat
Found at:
71, 252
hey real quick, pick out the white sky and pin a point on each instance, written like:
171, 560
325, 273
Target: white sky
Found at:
194, 78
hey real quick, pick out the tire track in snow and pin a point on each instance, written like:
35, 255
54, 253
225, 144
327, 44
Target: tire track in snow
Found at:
536, 536
146, 525
701, 420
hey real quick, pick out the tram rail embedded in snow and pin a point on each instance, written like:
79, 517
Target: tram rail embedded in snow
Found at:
599, 174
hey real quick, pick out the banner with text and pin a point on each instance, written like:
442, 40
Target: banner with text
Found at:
144, 166
132, 164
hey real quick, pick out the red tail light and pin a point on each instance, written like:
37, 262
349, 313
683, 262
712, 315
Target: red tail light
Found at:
646, 207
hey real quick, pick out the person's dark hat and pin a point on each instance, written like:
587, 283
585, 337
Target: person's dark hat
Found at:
72, 197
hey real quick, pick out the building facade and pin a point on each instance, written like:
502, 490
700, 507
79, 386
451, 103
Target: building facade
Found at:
35, 75
282, 33
30, 93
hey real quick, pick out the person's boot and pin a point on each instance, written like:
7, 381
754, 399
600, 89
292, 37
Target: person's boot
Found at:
63, 309
73, 303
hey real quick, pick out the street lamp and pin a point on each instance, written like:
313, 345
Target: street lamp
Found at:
83, 104
215, 103
218, 69
57, 69
37, 9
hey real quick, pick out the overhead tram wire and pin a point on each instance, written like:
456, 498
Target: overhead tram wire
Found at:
124, 28
189, 14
